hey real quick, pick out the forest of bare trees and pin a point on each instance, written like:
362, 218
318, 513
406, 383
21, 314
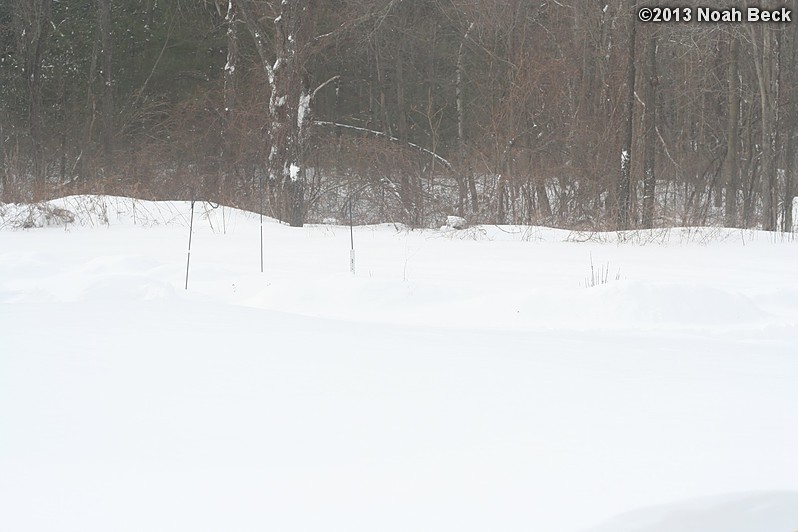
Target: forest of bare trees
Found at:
565, 113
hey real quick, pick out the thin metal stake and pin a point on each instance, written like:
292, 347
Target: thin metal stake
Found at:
260, 187
351, 240
190, 231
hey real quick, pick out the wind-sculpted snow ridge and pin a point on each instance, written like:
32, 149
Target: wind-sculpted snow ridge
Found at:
618, 305
771, 511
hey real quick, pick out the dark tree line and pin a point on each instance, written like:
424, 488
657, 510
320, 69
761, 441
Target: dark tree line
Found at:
564, 113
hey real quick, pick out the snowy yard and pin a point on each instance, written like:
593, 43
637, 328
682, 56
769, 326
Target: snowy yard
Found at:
461, 380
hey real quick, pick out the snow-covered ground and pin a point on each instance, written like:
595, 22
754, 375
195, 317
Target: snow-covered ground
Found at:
461, 380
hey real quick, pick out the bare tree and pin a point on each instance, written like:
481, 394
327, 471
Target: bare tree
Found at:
231, 77
32, 37
766, 61
625, 179
791, 122
465, 184
730, 166
650, 126
284, 49
105, 29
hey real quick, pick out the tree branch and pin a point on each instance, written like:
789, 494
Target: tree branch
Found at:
446, 163
317, 89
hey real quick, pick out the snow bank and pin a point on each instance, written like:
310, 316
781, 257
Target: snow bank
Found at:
97, 211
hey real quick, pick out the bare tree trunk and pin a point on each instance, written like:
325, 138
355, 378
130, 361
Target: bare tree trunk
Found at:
289, 102
36, 16
459, 89
791, 122
625, 180
62, 97
290, 109
410, 192
764, 61
5, 193
501, 197
544, 206
106, 76
650, 125
789, 177
748, 169
83, 167
230, 91
730, 167
387, 129
401, 111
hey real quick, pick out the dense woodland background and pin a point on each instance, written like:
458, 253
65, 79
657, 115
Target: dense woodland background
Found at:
567, 113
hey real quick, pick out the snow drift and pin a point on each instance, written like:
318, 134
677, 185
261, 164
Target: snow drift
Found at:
463, 380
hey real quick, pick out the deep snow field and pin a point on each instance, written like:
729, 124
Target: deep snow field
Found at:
460, 381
